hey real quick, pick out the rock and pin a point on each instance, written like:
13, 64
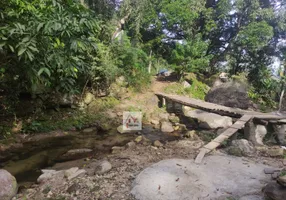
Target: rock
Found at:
74, 172
46, 190
47, 175
255, 133
88, 130
174, 119
89, 97
186, 84
284, 162
168, 179
271, 170
121, 81
70, 171
282, 180
167, 127
182, 127
119, 114
74, 154
192, 135
79, 173
73, 188
274, 191
275, 151
157, 143
138, 139
275, 175
103, 167
231, 94
120, 130
155, 122
130, 144
44, 171
164, 116
280, 133
245, 146
235, 151
252, 197
223, 77
186, 109
8, 185
79, 151
111, 114
210, 120
117, 149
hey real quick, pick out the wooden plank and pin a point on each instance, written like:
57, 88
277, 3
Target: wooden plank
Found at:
245, 118
212, 145
224, 110
221, 138
229, 132
201, 155
238, 124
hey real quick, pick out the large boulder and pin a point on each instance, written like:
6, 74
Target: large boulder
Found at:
219, 177
209, 120
274, 191
231, 94
8, 185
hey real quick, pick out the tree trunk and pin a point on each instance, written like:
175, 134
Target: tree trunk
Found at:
119, 28
281, 99
283, 88
150, 62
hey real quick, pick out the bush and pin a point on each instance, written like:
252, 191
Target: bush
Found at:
133, 63
197, 90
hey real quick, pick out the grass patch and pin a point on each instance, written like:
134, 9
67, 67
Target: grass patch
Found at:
102, 104
197, 90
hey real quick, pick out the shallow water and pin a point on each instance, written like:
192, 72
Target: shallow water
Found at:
25, 162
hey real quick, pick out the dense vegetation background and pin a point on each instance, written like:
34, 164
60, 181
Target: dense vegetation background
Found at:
63, 46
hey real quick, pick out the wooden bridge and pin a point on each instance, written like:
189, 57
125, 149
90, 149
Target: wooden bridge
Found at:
176, 102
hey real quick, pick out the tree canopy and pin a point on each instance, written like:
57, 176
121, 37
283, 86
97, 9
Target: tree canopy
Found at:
60, 45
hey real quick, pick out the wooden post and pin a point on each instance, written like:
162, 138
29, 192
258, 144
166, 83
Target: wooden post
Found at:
161, 102
169, 106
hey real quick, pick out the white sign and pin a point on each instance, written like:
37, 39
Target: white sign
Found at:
132, 121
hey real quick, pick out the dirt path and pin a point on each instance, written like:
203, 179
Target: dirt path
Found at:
146, 101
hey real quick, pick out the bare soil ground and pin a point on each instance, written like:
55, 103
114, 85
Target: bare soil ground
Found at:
126, 164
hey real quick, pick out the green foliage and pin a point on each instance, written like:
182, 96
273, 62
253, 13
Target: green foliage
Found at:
46, 43
255, 36
102, 104
132, 63
64, 46
197, 90
190, 56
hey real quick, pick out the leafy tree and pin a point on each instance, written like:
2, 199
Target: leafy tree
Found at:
46, 44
